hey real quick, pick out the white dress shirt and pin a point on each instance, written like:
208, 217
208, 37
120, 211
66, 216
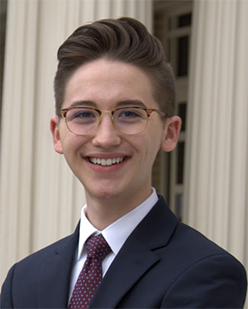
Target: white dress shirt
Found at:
115, 235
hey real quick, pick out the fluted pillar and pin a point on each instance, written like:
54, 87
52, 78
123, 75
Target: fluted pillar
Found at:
40, 199
217, 153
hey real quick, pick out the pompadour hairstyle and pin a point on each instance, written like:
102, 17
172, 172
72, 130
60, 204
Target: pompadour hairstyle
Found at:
126, 40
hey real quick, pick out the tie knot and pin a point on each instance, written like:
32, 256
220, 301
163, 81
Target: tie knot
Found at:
97, 247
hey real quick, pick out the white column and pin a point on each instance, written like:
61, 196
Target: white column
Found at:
217, 152
40, 199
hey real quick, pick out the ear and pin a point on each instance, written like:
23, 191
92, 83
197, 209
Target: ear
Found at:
54, 127
171, 133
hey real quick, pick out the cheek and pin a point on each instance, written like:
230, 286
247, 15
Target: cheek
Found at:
149, 148
71, 144
153, 153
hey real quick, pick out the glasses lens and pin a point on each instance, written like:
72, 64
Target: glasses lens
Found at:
82, 120
131, 120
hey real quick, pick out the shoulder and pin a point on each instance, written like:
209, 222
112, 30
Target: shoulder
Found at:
198, 270
197, 248
31, 265
205, 271
183, 239
43, 268
53, 249
194, 248
207, 274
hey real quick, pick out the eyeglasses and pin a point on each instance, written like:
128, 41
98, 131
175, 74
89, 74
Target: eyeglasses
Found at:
128, 120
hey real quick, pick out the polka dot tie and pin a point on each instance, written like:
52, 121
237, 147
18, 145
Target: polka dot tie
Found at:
91, 274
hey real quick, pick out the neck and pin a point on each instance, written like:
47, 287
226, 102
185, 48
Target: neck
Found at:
103, 212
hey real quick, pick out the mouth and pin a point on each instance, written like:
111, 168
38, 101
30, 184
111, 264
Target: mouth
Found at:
106, 162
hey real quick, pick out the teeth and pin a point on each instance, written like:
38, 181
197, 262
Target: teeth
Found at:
106, 162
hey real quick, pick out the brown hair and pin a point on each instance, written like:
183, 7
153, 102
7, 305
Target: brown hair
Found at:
126, 40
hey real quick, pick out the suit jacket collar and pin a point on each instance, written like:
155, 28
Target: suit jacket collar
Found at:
55, 274
156, 229
136, 256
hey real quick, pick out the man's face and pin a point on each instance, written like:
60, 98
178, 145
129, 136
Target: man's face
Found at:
105, 85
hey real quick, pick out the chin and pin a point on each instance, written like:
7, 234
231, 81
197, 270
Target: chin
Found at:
103, 193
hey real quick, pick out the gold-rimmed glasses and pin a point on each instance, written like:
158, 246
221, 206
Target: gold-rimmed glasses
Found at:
129, 120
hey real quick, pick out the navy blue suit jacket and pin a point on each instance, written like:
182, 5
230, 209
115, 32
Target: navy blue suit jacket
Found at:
163, 264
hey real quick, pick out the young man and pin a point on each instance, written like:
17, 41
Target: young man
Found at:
115, 105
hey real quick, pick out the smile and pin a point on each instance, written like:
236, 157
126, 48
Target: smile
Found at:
106, 162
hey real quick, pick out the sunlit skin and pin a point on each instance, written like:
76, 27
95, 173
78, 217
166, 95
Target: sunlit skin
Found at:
113, 191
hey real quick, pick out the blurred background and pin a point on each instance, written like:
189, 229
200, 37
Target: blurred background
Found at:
205, 180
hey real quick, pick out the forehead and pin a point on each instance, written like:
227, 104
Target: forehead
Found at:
108, 82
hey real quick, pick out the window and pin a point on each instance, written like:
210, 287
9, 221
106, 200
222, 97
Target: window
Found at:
172, 25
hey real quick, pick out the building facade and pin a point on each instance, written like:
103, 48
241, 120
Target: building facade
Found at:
205, 179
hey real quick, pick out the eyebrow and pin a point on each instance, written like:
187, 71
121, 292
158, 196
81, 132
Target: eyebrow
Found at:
83, 103
119, 104
130, 103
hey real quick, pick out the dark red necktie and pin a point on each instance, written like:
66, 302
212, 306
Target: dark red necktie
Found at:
91, 274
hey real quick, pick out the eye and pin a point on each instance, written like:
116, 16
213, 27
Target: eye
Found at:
130, 113
82, 115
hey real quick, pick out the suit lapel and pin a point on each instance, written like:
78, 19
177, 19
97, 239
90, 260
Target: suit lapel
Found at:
55, 273
132, 262
137, 255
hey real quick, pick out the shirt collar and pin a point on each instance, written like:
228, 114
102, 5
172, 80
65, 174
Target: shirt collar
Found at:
116, 233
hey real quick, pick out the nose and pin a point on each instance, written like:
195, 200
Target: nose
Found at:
106, 135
